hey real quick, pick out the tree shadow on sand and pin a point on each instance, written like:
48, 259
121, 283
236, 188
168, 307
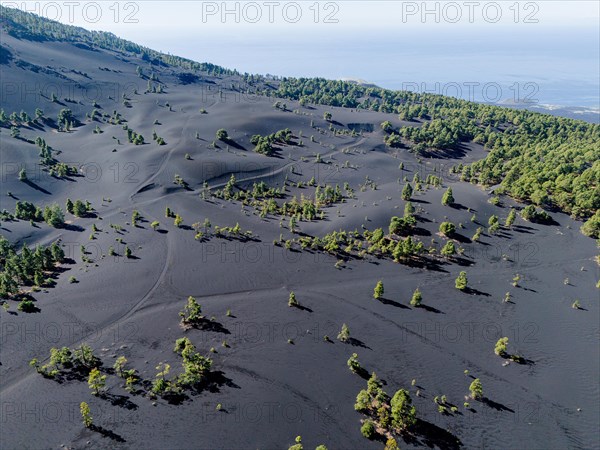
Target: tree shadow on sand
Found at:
463, 262
303, 308
209, 325
458, 151
523, 229
495, 405
460, 238
71, 227
357, 343
431, 309
426, 434
518, 359
73, 374
527, 289
36, 187
363, 373
424, 263
418, 231
238, 237
473, 291
458, 206
213, 383
107, 433
121, 401
387, 301
233, 144
216, 380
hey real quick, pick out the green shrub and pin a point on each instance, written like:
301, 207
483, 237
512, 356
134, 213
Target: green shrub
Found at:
368, 429
26, 306
447, 228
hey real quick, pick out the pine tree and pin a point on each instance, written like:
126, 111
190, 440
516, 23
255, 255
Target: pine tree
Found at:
510, 220
292, 302
500, 348
368, 429
119, 365
58, 254
178, 220
222, 135
228, 189
344, 333
391, 444
448, 249
493, 223
447, 228
378, 291
404, 414
416, 299
85, 414
54, 216
192, 312
79, 208
96, 382
461, 281
353, 363
476, 389
298, 445
407, 192
387, 126
448, 198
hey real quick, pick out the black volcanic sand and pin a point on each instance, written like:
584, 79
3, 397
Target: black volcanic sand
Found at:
271, 390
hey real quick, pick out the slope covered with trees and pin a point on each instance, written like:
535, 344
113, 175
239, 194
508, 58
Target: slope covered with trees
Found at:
550, 161
29, 26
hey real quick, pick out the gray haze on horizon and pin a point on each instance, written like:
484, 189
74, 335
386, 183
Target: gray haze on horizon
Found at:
549, 54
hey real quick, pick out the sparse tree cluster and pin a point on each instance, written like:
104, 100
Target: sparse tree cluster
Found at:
265, 144
65, 360
396, 414
27, 268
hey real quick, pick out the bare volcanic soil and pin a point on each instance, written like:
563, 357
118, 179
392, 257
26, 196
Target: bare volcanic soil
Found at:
277, 371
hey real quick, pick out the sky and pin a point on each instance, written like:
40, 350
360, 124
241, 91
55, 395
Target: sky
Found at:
544, 50
142, 18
